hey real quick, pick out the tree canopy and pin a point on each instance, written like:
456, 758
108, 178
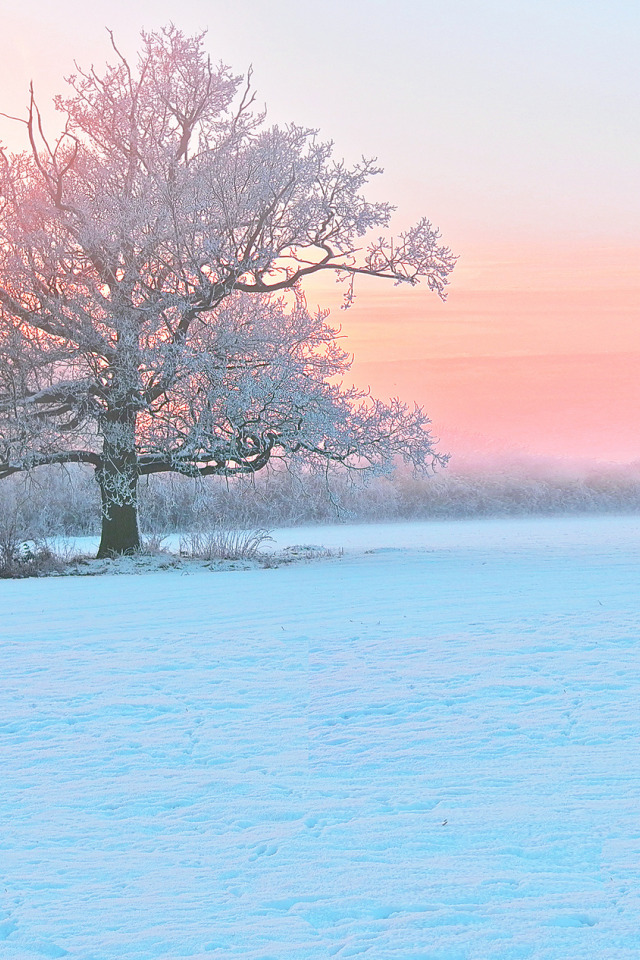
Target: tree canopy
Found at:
152, 265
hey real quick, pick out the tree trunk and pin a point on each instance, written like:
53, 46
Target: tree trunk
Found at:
120, 533
118, 480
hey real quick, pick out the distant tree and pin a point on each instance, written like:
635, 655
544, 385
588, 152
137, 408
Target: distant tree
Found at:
152, 314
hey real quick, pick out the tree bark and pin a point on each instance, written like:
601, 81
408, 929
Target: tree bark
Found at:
118, 480
120, 533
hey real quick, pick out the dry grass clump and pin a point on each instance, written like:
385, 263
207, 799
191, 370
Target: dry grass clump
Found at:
27, 558
224, 543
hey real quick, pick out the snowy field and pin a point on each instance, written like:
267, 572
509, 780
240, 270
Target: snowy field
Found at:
427, 749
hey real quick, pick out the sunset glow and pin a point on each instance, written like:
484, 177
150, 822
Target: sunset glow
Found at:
512, 127
535, 352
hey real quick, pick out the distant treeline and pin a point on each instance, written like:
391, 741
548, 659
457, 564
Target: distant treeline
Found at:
53, 502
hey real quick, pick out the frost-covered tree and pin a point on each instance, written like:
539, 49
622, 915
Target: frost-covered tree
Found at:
152, 261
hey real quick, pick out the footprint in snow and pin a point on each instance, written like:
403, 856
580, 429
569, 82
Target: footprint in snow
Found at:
264, 850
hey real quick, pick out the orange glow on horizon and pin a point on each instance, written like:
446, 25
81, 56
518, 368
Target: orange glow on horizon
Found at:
535, 352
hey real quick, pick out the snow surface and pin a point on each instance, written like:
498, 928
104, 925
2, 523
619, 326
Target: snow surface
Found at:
426, 752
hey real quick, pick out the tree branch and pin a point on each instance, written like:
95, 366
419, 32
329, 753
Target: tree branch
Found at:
47, 459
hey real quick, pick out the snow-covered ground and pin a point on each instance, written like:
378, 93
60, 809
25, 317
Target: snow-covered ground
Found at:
430, 751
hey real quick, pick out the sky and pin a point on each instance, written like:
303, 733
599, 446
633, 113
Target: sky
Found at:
514, 125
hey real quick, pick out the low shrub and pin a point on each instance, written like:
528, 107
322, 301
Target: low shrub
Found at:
224, 543
28, 558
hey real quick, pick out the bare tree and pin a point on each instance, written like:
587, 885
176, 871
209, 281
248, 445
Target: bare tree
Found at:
152, 259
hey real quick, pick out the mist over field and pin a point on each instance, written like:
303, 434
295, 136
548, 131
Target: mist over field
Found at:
66, 503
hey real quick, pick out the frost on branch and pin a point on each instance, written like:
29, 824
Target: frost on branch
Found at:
415, 255
152, 262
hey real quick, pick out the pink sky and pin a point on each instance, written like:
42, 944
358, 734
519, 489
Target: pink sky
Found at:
512, 124
535, 352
